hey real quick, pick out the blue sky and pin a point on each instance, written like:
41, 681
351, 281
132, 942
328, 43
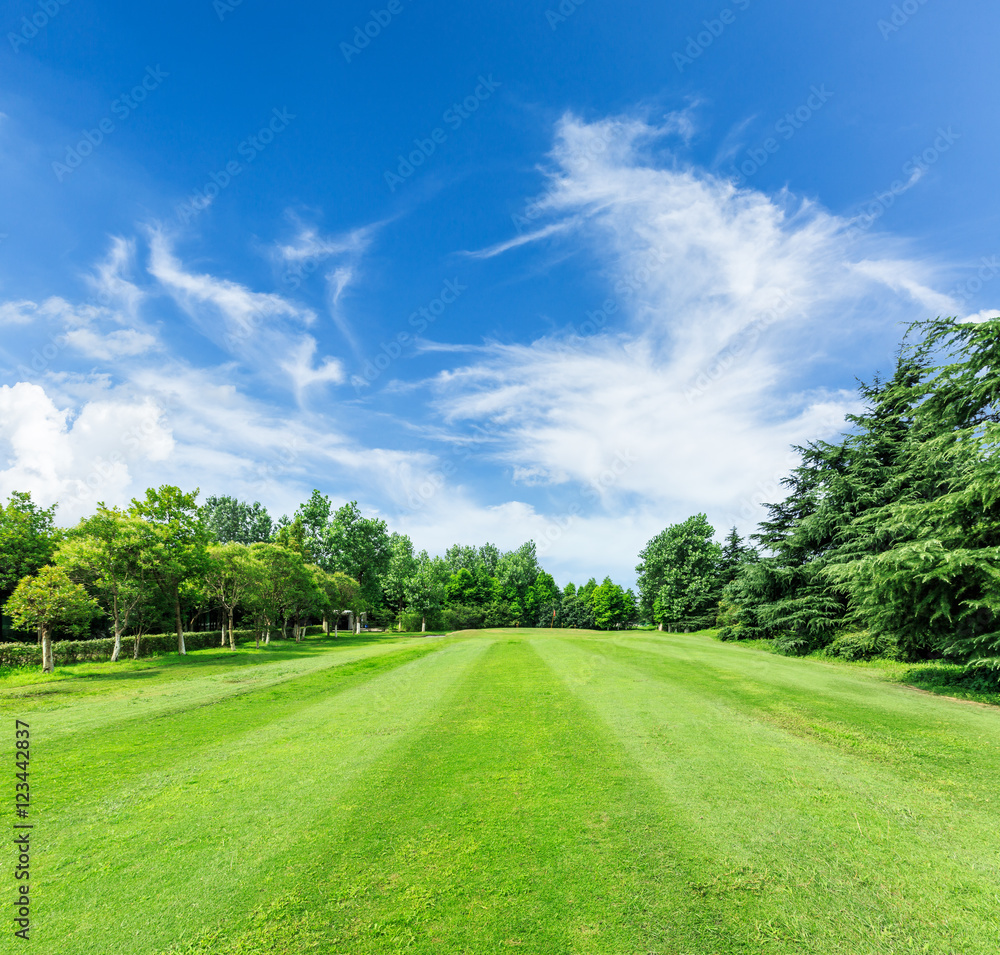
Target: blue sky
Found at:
568, 272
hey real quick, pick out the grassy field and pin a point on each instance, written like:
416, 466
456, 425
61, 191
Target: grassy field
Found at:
531, 791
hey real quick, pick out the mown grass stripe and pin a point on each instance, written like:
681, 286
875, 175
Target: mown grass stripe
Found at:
150, 853
847, 851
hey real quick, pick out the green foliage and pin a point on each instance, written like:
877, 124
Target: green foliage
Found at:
359, 547
28, 539
106, 552
862, 645
49, 600
174, 543
613, 606
679, 575
231, 521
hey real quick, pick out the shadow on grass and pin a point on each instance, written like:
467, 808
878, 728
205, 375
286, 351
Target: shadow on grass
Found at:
206, 658
952, 679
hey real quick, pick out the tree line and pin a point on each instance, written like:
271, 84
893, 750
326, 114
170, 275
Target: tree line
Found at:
888, 541
168, 562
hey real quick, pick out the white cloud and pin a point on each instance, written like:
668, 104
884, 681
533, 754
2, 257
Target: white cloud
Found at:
126, 343
724, 299
263, 329
79, 460
309, 243
18, 313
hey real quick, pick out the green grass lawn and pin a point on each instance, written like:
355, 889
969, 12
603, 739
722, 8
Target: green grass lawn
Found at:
524, 790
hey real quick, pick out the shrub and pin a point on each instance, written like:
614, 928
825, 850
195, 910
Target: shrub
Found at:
862, 645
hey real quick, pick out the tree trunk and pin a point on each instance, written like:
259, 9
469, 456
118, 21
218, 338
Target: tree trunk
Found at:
423, 625
326, 624
336, 624
180, 625
298, 630
118, 629
232, 637
284, 628
357, 623
660, 626
45, 638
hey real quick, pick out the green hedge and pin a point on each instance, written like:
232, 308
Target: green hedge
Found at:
82, 651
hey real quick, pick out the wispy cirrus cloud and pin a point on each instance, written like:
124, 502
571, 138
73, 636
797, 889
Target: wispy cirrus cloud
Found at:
726, 297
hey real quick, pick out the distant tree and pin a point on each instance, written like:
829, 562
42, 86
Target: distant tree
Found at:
229, 578
428, 587
105, 551
359, 548
489, 557
292, 534
174, 544
574, 612
613, 606
314, 518
543, 600
231, 521
461, 557
49, 599
402, 567
679, 575
735, 553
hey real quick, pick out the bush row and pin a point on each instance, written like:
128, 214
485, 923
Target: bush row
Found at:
150, 645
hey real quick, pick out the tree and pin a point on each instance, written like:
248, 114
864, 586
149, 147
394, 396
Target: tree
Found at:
926, 578
575, 612
284, 586
28, 540
516, 572
314, 518
230, 577
49, 599
679, 575
613, 606
735, 553
402, 567
343, 594
175, 542
427, 588
106, 552
231, 521
359, 547
542, 603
